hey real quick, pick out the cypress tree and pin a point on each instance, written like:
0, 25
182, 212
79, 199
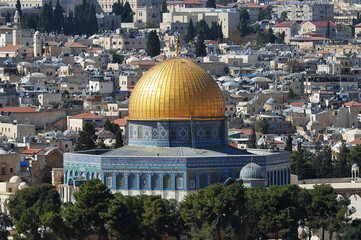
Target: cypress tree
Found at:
18, 7
58, 17
211, 3
153, 44
117, 8
118, 140
252, 141
7, 17
127, 15
86, 138
200, 47
189, 35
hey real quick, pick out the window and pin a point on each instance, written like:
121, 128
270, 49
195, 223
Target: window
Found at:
179, 181
120, 181
10, 190
131, 181
143, 182
109, 180
11, 170
155, 182
166, 182
203, 181
3, 171
213, 179
192, 182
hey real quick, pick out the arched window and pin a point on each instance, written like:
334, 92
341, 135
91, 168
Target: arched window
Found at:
203, 181
131, 181
98, 176
143, 182
179, 181
76, 173
82, 174
155, 181
71, 173
87, 175
214, 179
109, 180
120, 181
166, 182
192, 182
92, 176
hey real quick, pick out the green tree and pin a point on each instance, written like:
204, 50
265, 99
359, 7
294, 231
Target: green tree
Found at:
355, 155
190, 32
291, 93
326, 166
202, 28
215, 32
35, 211
215, 209
119, 140
328, 31
298, 161
252, 141
164, 8
289, 143
353, 231
153, 44
86, 216
284, 16
127, 15
263, 125
117, 58
161, 217
69, 28
5, 223
57, 24
326, 207
200, 47
18, 7
342, 166
211, 3
243, 25
124, 217
86, 138
117, 8
265, 13
7, 17
111, 127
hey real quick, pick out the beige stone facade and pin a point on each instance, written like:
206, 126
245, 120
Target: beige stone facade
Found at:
15, 130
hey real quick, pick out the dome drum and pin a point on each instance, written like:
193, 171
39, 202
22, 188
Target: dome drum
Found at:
177, 133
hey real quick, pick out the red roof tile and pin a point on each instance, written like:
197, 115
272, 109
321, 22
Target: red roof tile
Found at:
11, 47
352, 104
18, 110
86, 116
321, 23
74, 45
120, 122
284, 24
274, 141
357, 141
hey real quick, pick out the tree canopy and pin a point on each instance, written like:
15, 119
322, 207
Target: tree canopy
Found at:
153, 44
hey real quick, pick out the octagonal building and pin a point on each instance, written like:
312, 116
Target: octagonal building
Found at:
177, 140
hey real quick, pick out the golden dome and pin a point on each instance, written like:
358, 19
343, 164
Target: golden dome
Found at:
176, 89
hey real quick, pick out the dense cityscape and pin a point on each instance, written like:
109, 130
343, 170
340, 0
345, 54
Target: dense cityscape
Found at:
180, 119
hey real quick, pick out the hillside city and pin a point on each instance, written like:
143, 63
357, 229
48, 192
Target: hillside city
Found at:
180, 119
